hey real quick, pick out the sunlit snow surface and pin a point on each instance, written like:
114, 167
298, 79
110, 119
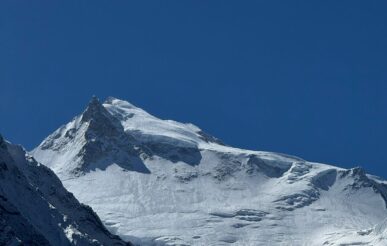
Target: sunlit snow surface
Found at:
161, 182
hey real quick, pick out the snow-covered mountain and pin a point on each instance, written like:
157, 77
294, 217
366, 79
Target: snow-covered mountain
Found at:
161, 182
35, 209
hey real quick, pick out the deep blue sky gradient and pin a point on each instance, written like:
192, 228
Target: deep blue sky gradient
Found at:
307, 78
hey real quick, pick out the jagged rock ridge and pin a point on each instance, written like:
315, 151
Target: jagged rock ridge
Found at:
35, 209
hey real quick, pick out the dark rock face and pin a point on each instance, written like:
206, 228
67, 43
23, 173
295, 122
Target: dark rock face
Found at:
14, 228
100, 119
35, 209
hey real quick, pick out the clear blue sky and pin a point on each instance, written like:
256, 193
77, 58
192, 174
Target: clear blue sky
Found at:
307, 78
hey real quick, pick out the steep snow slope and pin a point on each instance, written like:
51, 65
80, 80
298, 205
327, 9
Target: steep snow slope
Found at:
35, 209
163, 182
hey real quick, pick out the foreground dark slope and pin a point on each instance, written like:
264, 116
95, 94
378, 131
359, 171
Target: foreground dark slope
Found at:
35, 209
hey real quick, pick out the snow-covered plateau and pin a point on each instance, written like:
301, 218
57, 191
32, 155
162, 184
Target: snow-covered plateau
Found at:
161, 182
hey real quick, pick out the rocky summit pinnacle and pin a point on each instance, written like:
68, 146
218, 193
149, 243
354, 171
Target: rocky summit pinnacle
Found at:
94, 108
97, 139
100, 120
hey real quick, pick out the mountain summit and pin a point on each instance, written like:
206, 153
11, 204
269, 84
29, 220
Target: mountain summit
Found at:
91, 141
95, 111
161, 182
